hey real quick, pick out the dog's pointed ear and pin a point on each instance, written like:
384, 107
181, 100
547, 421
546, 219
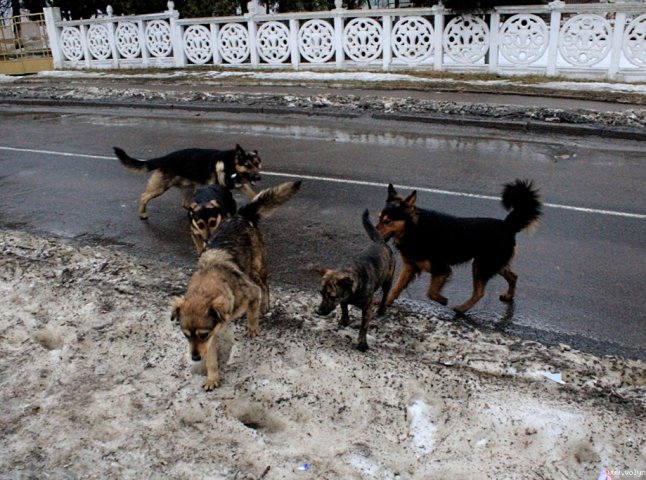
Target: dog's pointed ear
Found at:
213, 204
409, 202
176, 307
320, 270
239, 148
392, 193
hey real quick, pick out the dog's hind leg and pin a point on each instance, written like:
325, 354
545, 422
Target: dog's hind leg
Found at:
385, 289
366, 315
264, 285
157, 184
511, 278
406, 275
253, 317
479, 284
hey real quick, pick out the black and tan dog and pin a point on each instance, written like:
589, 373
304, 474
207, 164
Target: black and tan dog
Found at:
231, 280
208, 207
190, 167
430, 241
357, 283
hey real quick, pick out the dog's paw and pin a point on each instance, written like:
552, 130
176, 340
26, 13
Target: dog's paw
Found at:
362, 347
505, 297
211, 384
253, 332
460, 309
143, 216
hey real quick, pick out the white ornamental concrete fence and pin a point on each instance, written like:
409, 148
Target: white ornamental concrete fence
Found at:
605, 40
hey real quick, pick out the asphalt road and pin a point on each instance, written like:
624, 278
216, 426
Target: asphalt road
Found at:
581, 274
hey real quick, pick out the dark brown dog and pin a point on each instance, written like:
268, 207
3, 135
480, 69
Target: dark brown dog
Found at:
190, 167
430, 241
231, 280
357, 283
208, 207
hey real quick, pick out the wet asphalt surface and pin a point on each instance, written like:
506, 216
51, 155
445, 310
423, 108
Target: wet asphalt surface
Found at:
581, 275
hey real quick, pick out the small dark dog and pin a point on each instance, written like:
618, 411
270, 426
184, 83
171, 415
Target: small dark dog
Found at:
188, 168
208, 207
357, 283
231, 280
432, 242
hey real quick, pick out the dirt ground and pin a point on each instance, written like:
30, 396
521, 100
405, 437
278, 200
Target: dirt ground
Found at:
96, 382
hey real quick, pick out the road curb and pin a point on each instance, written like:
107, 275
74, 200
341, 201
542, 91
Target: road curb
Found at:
533, 126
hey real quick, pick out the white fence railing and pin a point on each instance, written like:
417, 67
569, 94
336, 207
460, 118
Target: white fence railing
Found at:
588, 41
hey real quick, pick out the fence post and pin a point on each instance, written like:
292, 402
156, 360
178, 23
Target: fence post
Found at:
338, 32
438, 33
86, 49
215, 50
293, 43
617, 37
176, 34
53, 15
112, 39
253, 47
494, 42
387, 49
555, 27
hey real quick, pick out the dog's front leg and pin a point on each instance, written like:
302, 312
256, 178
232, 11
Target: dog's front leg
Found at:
405, 277
212, 368
437, 283
198, 241
344, 321
187, 195
246, 189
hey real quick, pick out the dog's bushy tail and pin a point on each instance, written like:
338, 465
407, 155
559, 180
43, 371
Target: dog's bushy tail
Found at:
370, 229
268, 200
131, 163
522, 199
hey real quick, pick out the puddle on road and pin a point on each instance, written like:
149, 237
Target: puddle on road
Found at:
350, 133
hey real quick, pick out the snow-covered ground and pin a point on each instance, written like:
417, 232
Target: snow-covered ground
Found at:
339, 76
96, 382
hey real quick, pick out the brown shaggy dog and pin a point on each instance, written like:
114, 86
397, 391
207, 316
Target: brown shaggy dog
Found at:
231, 280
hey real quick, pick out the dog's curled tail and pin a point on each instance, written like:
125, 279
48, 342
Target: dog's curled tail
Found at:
370, 229
129, 162
522, 199
268, 200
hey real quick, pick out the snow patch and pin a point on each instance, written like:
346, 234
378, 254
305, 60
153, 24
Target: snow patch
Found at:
422, 429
